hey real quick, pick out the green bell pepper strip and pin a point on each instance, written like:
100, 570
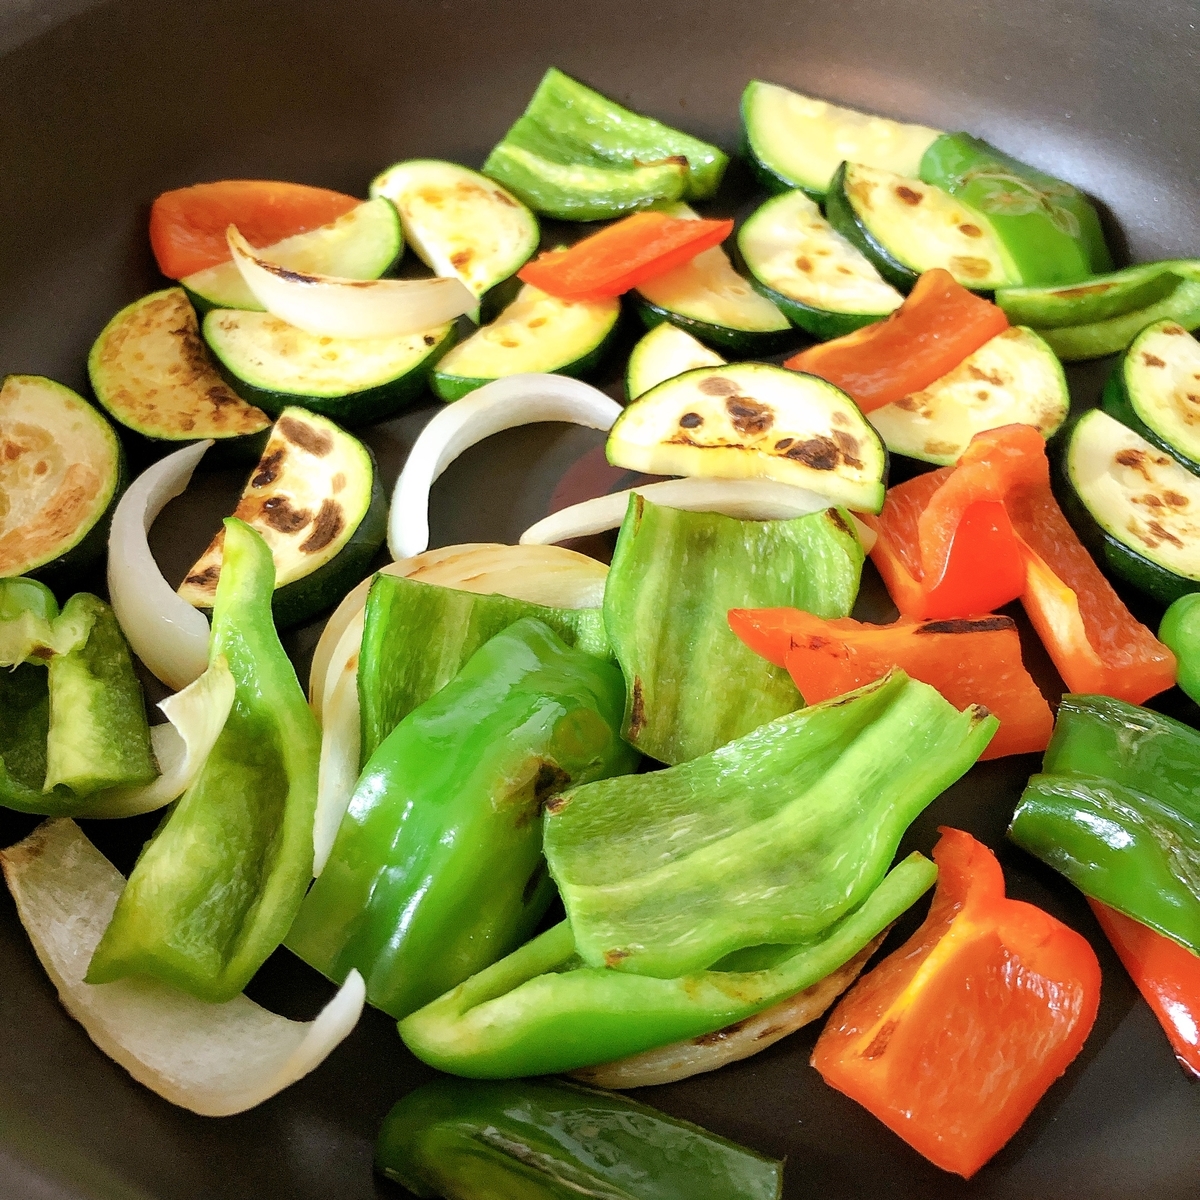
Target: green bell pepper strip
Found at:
1117, 812
218, 885
555, 1140
1049, 228
770, 839
437, 869
1180, 633
72, 714
417, 637
538, 1012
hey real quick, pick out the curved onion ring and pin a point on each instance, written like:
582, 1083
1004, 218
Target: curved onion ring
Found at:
327, 306
501, 404
749, 499
215, 1059
164, 630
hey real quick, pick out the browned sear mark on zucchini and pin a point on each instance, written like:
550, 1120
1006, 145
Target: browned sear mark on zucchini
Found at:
329, 523
268, 469
278, 513
908, 195
749, 416
691, 420
714, 385
1152, 360
317, 442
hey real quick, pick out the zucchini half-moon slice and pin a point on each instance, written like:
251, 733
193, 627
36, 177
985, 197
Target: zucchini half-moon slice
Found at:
61, 473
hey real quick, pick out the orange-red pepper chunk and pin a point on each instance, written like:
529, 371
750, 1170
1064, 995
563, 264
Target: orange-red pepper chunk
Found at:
953, 1039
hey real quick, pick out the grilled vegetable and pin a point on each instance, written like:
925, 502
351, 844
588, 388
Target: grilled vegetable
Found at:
316, 498
152, 373
61, 473
819, 280
795, 141
663, 353
1180, 631
753, 421
905, 227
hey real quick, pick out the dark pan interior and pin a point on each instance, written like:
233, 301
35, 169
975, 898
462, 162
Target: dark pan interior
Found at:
102, 107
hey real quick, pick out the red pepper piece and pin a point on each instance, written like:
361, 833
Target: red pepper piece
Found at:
621, 256
970, 661
937, 326
953, 1039
187, 226
1166, 973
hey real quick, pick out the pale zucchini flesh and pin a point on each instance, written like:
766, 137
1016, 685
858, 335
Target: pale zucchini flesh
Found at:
1161, 377
459, 222
800, 141
754, 421
60, 469
663, 353
1013, 379
151, 371
363, 243
918, 227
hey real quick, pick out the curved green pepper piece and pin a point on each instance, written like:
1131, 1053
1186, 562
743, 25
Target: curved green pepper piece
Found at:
1180, 632
538, 1012
437, 868
216, 888
554, 1140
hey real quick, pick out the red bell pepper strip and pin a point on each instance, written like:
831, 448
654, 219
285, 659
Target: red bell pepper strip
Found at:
1166, 973
953, 1039
187, 226
623, 255
970, 661
937, 326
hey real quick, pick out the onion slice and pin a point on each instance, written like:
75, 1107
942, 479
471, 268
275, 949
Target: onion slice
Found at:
749, 499
327, 306
501, 404
215, 1059
164, 630
195, 718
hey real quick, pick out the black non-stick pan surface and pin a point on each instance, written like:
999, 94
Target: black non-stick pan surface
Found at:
102, 107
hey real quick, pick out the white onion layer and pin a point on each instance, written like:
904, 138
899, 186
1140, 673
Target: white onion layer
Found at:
327, 306
501, 404
215, 1059
164, 630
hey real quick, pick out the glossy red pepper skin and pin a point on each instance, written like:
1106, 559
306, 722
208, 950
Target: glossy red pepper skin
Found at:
954, 1038
1166, 973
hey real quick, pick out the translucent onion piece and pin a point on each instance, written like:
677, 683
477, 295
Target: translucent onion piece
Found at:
195, 718
749, 499
215, 1059
502, 404
164, 630
327, 306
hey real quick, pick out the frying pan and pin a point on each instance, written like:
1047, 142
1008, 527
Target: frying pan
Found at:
105, 105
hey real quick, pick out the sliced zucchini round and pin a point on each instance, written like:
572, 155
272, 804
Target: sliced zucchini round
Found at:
795, 141
355, 380
905, 227
1013, 379
754, 421
820, 281
151, 372
1135, 505
61, 474
663, 353
536, 332
363, 243
317, 499
1155, 390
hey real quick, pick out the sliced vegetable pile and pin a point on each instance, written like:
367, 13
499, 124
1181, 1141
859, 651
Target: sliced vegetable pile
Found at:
697, 751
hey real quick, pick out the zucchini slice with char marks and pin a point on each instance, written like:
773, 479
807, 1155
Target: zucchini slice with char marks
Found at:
754, 421
354, 380
1014, 379
1155, 390
906, 227
151, 372
818, 279
666, 351
316, 498
1134, 505
62, 471
364, 243
459, 222
537, 332
796, 141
